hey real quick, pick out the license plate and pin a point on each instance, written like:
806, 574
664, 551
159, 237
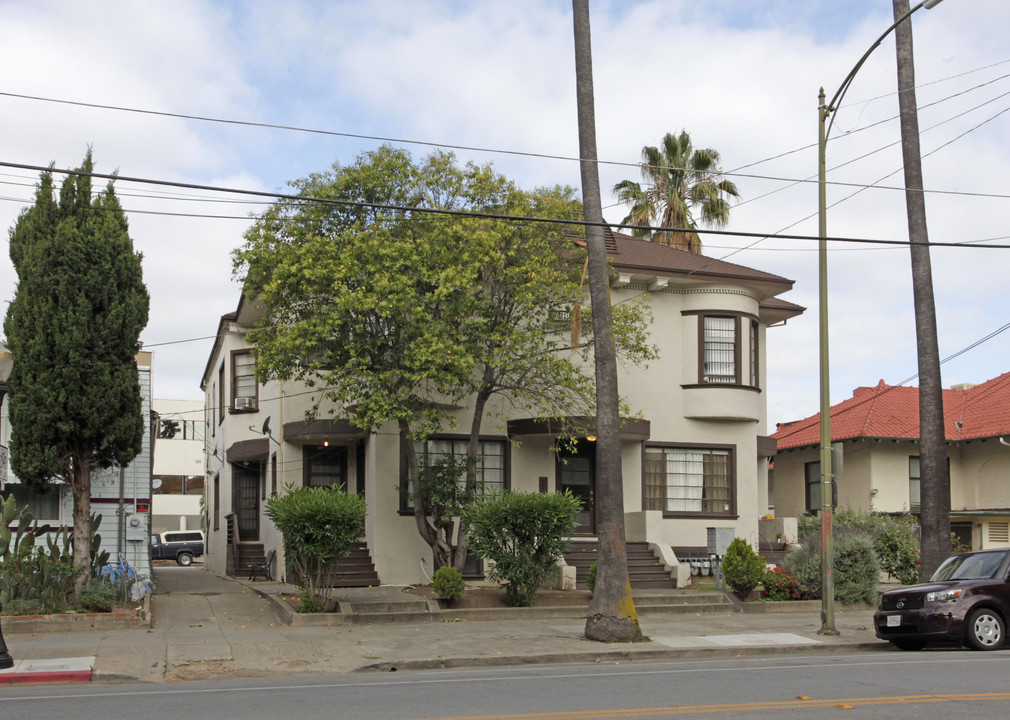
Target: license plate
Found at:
893, 620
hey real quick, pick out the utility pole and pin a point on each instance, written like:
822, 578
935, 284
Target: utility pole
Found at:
934, 518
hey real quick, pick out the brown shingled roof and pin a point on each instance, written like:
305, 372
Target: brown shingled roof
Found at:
630, 254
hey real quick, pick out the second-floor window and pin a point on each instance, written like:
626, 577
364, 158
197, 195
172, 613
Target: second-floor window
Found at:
720, 350
243, 380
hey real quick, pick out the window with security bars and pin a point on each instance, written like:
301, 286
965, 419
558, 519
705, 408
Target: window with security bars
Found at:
324, 466
720, 350
689, 480
490, 461
243, 380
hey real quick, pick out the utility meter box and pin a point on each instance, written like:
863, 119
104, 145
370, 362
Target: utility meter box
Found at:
719, 540
136, 529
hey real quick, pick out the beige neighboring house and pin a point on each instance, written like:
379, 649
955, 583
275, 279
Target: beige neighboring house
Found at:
695, 459
876, 432
178, 476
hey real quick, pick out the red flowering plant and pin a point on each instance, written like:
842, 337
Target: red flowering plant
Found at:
780, 585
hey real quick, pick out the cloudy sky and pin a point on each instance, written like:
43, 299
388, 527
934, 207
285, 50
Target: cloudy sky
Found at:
742, 76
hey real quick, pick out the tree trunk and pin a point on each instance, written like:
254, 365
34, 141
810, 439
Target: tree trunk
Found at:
934, 515
462, 537
611, 616
439, 556
81, 486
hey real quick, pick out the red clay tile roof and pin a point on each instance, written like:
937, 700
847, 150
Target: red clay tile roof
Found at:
892, 411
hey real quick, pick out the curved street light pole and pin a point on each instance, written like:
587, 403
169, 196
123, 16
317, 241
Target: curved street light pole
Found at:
826, 120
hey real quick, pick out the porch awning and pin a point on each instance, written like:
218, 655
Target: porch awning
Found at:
575, 426
256, 449
316, 432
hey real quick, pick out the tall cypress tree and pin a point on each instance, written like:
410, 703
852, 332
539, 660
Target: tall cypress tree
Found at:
73, 328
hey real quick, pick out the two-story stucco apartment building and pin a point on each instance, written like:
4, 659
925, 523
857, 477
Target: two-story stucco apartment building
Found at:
694, 458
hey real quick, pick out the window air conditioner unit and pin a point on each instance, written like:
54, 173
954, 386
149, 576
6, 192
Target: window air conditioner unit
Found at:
245, 403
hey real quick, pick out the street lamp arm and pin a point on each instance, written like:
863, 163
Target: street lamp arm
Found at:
830, 108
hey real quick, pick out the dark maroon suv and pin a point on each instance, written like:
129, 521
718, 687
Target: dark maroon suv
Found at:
967, 600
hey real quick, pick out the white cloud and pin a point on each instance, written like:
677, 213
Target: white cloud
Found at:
740, 77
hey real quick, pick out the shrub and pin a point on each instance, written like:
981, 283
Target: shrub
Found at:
780, 585
591, 578
319, 525
448, 583
895, 538
803, 562
856, 570
524, 535
742, 567
99, 597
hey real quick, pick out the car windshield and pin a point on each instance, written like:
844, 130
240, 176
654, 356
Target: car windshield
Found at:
970, 566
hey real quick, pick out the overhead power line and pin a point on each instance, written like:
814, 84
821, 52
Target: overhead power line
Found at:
463, 213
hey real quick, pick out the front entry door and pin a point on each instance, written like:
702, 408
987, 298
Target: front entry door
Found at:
577, 474
247, 501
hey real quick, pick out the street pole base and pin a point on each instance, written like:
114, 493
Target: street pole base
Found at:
828, 630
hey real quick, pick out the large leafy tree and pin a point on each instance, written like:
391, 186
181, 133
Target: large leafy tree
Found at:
396, 315
683, 187
73, 328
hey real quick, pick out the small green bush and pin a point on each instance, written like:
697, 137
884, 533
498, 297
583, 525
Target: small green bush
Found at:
591, 578
804, 563
99, 597
856, 570
523, 535
742, 567
319, 526
448, 583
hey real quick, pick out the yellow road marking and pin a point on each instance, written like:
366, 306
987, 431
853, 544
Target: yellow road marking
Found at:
792, 704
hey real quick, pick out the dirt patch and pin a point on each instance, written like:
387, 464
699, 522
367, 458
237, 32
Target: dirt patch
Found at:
492, 597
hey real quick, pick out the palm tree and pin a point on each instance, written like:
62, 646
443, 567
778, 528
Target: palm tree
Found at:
680, 181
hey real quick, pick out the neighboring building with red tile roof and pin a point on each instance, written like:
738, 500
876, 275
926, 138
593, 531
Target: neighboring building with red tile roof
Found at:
877, 430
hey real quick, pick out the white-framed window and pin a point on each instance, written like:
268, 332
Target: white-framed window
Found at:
690, 480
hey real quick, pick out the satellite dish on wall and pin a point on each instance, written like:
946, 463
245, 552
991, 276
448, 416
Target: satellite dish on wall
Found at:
156, 483
266, 426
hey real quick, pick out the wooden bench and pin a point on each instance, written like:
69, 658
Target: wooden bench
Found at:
263, 568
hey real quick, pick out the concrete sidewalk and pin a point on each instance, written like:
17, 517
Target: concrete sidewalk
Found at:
208, 627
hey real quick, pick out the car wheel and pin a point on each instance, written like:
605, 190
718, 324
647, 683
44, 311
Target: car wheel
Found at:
909, 644
985, 630
185, 559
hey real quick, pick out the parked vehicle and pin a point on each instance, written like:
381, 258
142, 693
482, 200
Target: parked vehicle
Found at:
967, 600
180, 545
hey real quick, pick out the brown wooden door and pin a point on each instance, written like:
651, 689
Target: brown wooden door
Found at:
247, 501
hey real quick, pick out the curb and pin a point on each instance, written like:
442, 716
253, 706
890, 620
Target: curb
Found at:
617, 656
41, 678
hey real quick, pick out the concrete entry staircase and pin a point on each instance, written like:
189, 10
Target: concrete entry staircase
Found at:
645, 569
